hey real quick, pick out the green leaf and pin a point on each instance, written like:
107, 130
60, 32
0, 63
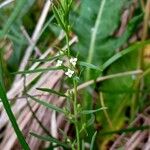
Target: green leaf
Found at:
51, 91
88, 65
47, 105
91, 120
95, 28
20, 9
58, 18
87, 112
12, 118
134, 129
120, 54
39, 70
49, 139
13, 16
46, 59
93, 140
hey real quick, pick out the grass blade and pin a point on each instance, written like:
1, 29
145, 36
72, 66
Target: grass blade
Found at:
58, 18
46, 59
141, 128
93, 140
47, 105
51, 91
87, 112
39, 70
88, 65
91, 120
12, 118
11, 19
49, 139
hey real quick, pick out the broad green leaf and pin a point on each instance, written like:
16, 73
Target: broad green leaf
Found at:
120, 54
104, 43
96, 26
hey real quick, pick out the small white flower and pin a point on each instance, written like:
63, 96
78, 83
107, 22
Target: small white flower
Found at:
59, 63
69, 73
73, 61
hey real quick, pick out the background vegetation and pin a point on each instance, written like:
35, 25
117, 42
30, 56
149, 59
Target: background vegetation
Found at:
105, 104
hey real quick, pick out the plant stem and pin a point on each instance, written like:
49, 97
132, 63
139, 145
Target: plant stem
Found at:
75, 114
75, 109
104, 110
100, 79
68, 46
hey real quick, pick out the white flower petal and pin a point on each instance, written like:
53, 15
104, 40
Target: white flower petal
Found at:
73, 61
69, 73
59, 63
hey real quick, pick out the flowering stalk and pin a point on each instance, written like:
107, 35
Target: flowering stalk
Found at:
61, 13
70, 73
75, 114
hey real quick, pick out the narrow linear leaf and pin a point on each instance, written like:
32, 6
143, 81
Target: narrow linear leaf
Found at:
46, 59
87, 112
58, 18
60, 3
91, 120
47, 105
141, 128
88, 65
93, 140
49, 139
12, 118
47, 24
11, 19
39, 70
51, 91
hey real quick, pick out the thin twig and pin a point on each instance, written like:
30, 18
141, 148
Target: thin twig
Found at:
142, 4
31, 110
88, 83
35, 37
30, 40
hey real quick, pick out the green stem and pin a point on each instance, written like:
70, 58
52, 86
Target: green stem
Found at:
75, 114
68, 46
